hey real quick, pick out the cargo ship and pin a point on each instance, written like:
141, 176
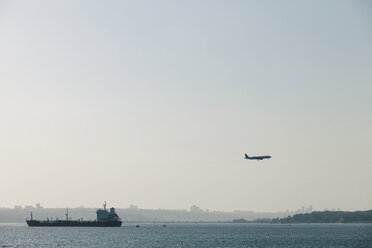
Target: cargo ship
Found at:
105, 218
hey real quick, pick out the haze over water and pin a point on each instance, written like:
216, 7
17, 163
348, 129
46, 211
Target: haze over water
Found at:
154, 103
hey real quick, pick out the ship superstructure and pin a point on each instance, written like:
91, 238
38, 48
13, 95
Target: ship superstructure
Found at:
105, 216
104, 219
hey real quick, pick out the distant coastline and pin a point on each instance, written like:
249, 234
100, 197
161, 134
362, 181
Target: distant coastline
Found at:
318, 217
134, 214
194, 215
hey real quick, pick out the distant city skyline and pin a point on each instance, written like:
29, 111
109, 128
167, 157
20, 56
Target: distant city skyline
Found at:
155, 103
134, 213
193, 208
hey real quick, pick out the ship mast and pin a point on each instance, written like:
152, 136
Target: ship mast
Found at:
104, 205
67, 213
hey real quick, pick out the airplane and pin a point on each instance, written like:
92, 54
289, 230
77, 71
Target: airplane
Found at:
257, 158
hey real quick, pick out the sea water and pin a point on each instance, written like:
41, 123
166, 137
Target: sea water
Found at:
190, 235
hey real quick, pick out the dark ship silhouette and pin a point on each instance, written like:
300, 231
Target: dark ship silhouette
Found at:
104, 219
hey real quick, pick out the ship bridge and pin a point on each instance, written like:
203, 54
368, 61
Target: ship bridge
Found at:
103, 215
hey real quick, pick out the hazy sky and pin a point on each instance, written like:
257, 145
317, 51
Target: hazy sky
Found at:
154, 103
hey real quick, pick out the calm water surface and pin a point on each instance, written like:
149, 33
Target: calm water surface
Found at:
190, 235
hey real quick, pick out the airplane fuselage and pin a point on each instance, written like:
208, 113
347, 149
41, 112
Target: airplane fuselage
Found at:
257, 157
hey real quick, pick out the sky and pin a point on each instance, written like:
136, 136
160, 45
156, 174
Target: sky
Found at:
154, 103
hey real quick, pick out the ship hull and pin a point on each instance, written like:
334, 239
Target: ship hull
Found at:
71, 223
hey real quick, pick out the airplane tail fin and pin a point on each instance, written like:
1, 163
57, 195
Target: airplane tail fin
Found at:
246, 156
